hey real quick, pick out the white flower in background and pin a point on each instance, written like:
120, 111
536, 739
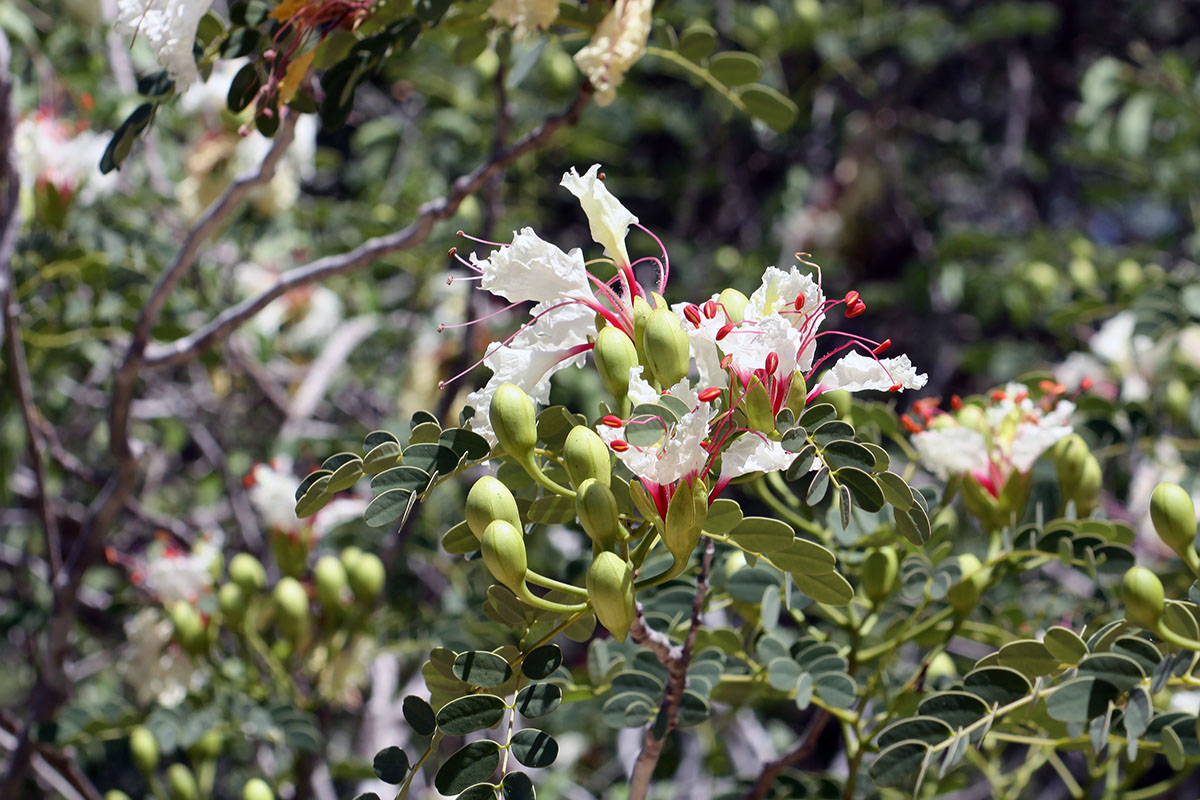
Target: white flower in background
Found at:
169, 27
273, 494
209, 97
301, 317
1122, 363
608, 219
753, 453
155, 666
619, 41
170, 573
1188, 346
525, 16
856, 373
1162, 463
952, 451
51, 150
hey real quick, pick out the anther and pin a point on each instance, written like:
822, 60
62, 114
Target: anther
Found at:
461, 234
856, 309
1085, 384
726, 361
620, 445
998, 395
882, 347
710, 309
453, 250
956, 402
725, 329
910, 424
895, 387
612, 421
851, 298
772, 363
711, 393
693, 314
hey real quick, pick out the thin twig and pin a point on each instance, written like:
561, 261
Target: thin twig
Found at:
801, 751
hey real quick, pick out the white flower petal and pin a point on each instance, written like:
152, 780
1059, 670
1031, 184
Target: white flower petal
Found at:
169, 27
608, 219
753, 341
778, 292
525, 16
533, 269
855, 373
952, 451
752, 453
619, 41
528, 368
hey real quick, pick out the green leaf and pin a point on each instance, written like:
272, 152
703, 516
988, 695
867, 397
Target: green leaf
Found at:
1080, 699
723, 516
802, 463
480, 791
895, 490
391, 765
816, 415
930, 730
763, 534
542, 661
481, 668
634, 680
805, 558
1065, 644
124, 136
376, 438
241, 42
314, 499
748, 584
346, 475
866, 491
309, 480
338, 459
693, 709
243, 88
552, 509
1028, 657
845, 453
1138, 711
431, 458
1173, 749
533, 748
517, 786
1122, 672
913, 524
467, 444
829, 588
474, 712
956, 709
156, 85
627, 710
818, 487
469, 765
1140, 650
469, 49
459, 540
782, 673
425, 433
538, 699
389, 507
768, 105
381, 457
697, 41
836, 689
419, 715
899, 763
553, 425
735, 69
411, 478
833, 431
997, 685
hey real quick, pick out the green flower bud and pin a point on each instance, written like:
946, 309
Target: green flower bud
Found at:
1070, 457
615, 355
182, 783
514, 421
291, 608
488, 501
144, 749
879, 571
610, 589
115, 794
686, 514
1174, 519
1177, 399
734, 303
597, 511
232, 602
247, 572
641, 315
367, 577
840, 400
1142, 592
207, 747
189, 627
504, 555
350, 556
330, 579
666, 346
257, 789
1130, 275
972, 416
964, 595
282, 649
797, 394
587, 456
1088, 491
941, 669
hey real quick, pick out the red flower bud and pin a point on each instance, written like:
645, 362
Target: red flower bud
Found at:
998, 395
772, 363
910, 424
956, 402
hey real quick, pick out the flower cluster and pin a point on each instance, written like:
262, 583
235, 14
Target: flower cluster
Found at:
169, 27
53, 152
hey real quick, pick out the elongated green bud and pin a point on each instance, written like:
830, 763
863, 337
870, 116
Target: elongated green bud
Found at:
797, 394
610, 588
247, 572
1143, 594
189, 627
350, 556
615, 355
964, 595
641, 315
504, 555
366, 576
291, 608
879, 571
1087, 492
1174, 519
330, 578
685, 519
587, 456
182, 783
1177, 399
257, 789
115, 794
597, 511
488, 501
232, 602
514, 421
734, 303
1070, 455
207, 747
144, 749
666, 346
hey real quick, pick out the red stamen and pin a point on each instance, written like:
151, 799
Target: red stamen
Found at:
612, 421
851, 298
856, 309
910, 424
883, 347
895, 387
956, 402
998, 395
1021, 396
1085, 384
620, 445
725, 329
693, 314
772, 363
711, 393
710, 309
726, 361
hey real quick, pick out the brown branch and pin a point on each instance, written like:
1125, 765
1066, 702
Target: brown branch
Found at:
801, 751
373, 249
55, 767
676, 659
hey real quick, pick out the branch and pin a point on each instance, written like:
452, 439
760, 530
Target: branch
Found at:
801, 751
373, 249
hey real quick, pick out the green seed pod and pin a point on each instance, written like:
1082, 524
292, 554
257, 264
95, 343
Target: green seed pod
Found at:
182, 783
189, 627
115, 794
685, 519
232, 602
1087, 493
367, 577
330, 579
291, 608
1143, 594
610, 588
257, 789
514, 421
488, 501
144, 749
247, 572
666, 346
207, 747
615, 355
597, 511
964, 595
587, 456
1070, 457
972, 416
734, 303
879, 571
797, 397
504, 555
1174, 519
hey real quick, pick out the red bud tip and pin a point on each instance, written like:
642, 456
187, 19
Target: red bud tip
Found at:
725, 329
895, 387
772, 363
710, 309
726, 361
1085, 384
711, 393
248, 479
856, 309
956, 402
693, 314
620, 445
998, 395
851, 298
910, 424
612, 421
882, 347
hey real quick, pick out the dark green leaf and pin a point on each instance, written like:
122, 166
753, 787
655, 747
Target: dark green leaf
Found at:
404, 477
1028, 657
930, 730
768, 105
419, 715
538, 699
829, 588
470, 765
997, 685
466, 443
391, 765
806, 558
627, 710
474, 712
899, 763
866, 491
1122, 672
124, 136
156, 85
518, 786
309, 480
1080, 699
431, 458
243, 88
380, 458
481, 668
763, 534
846, 453
389, 507
533, 748
542, 661
697, 41
956, 709
735, 69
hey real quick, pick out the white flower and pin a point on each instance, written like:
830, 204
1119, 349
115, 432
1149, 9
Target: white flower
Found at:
533, 269
172, 574
753, 341
1133, 357
752, 453
952, 451
169, 27
273, 494
304, 316
1188, 346
703, 341
339, 511
777, 295
1037, 435
156, 668
680, 451
855, 372
209, 97
49, 150
608, 219
619, 41
525, 16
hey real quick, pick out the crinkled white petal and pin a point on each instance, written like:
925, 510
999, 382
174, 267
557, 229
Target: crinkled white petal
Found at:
169, 27
752, 341
525, 16
173, 575
752, 453
528, 368
50, 150
533, 269
618, 43
608, 219
778, 292
640, 390
556, 327
952, 451
855, 372
681, 454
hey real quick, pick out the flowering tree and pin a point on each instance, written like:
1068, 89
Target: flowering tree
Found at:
692, 534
